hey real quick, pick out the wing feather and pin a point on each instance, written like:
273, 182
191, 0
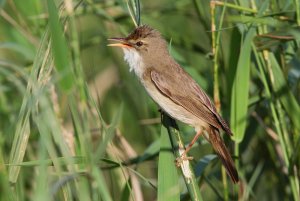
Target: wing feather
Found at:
184, 91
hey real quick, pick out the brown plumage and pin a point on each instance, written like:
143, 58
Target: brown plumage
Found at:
173, 89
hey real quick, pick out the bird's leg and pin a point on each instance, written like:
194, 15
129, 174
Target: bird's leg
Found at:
183, 156
198, 134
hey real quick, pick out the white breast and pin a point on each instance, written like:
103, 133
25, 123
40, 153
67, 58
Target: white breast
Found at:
135, 61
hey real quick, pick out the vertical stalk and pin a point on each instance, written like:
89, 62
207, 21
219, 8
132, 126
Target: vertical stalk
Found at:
80, 80
215, 49
281, 127
297, 6
75, 48
178, 148
292, 179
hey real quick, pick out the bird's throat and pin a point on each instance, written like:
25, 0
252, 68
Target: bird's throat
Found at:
135, 61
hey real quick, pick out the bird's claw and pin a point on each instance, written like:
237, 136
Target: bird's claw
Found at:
181, 159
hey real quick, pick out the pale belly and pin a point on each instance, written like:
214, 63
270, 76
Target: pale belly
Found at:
175, 111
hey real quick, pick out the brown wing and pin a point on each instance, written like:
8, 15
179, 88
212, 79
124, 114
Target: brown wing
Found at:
184, 91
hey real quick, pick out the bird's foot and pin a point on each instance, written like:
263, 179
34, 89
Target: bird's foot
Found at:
179, 161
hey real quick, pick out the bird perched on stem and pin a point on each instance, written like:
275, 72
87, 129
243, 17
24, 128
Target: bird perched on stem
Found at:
174, 90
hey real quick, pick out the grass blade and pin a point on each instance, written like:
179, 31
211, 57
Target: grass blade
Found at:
168, 188
22, 131
19, 144
285, 95
240, 89
60, 49
109, 134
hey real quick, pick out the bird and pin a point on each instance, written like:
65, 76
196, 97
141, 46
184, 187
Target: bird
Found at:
174, 90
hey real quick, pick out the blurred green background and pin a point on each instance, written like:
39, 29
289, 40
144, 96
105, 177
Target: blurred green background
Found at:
75, 124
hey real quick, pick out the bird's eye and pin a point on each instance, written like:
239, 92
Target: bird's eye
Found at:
139, 43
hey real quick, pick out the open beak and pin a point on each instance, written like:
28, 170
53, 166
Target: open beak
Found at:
121, 42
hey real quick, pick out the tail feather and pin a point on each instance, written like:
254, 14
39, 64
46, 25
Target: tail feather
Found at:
220, 148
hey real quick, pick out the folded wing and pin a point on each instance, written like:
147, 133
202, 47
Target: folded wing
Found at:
187, 93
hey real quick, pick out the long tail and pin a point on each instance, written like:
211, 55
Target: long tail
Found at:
219, 146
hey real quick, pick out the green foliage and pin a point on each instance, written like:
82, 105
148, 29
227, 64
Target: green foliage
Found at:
240, 89
77, 125
59, 48
167, 172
